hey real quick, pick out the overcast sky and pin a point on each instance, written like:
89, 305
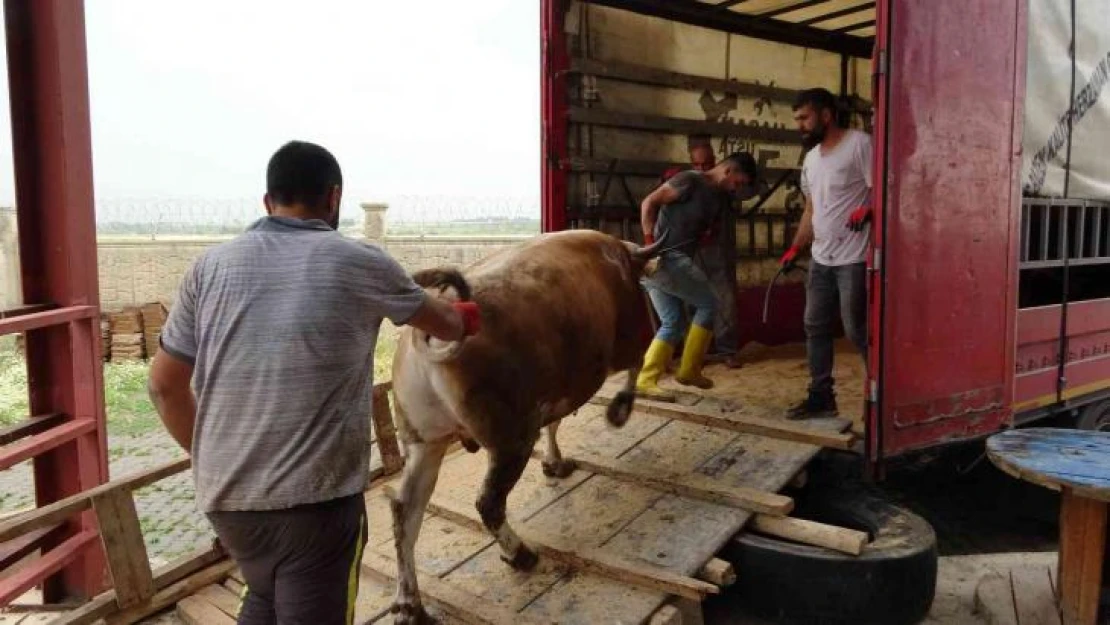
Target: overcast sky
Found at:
424, 97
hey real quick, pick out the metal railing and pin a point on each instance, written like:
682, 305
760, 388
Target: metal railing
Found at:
1056, 233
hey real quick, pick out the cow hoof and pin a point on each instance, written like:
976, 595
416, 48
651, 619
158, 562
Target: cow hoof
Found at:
620, 409
411, 614
524, 560
562, 468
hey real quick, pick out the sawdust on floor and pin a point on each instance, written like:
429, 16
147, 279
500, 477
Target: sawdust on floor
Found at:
776, 378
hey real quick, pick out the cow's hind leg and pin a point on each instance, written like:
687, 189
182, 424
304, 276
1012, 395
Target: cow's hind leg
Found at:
620, 408
417, 483
505, 469
554, 465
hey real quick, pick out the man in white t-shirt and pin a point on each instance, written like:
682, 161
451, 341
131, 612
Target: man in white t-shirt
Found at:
836, 181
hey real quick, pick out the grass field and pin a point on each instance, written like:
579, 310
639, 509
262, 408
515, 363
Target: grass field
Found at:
128, 408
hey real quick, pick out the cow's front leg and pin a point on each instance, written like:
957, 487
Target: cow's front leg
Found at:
417, 483
505, 469
620, 407
554, 465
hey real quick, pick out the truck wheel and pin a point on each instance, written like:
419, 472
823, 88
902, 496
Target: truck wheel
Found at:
890, 583
1095, 417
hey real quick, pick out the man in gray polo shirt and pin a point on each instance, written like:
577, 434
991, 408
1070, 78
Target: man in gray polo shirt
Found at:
276, 331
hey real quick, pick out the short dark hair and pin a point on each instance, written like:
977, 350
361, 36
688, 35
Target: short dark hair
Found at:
744, 162
818, 99
302, 173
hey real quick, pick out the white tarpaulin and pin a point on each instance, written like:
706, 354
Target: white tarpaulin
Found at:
1048, 84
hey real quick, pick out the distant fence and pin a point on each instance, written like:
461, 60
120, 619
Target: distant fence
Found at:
155, 218
135, 269
146, 244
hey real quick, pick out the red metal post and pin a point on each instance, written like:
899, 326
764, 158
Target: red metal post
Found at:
554, 61
879, 67
51, 141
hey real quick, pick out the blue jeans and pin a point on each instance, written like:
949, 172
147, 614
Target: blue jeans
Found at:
679, 281
827, 290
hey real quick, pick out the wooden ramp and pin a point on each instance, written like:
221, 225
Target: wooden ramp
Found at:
634, 527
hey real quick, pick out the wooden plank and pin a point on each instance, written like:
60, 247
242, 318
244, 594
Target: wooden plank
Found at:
233, 586
718, 572
222, 598
739, 422
385, 431
487, 575
807, 532
690, 485
1082, 548
590, 599
38, 444
123, 543
14, 585
442, 545
1033, 596
994, 600
666, 615
590, 431
62, 510
171, 594
676, 125
683, 534
462, 475
175, 571
15, 550
374, 598
196, 610
29, 427
643, 575
452, 600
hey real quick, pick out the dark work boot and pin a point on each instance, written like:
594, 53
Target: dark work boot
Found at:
815, 406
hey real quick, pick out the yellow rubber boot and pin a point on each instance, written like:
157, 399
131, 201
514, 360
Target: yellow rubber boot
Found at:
693, 358
655, 362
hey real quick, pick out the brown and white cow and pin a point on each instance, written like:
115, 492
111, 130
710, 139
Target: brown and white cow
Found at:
560, 313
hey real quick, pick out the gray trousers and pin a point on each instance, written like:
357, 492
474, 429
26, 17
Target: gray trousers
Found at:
301, 565
827, 290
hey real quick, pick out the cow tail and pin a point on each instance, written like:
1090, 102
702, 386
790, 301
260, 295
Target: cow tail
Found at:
442, 278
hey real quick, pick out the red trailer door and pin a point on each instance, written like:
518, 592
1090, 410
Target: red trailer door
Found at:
944, 271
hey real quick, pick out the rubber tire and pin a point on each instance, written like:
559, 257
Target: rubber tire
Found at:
1095, 417
892, 582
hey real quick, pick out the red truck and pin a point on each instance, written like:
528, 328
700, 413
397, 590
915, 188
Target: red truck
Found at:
990, 269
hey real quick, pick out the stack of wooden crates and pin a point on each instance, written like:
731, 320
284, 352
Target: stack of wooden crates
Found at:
132, 334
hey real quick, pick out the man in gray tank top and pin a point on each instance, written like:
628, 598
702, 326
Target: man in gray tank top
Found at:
275, 330
683, 209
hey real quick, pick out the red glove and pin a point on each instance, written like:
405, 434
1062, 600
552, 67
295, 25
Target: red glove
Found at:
649, 238
670, 173
859, 217
471, 317
790, 257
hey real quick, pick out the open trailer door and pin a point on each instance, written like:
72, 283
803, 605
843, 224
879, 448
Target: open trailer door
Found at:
948, 139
